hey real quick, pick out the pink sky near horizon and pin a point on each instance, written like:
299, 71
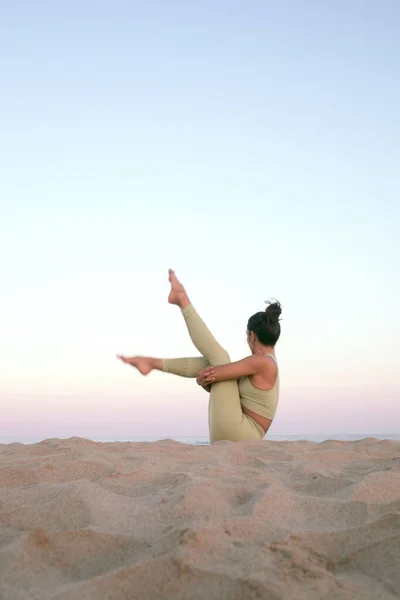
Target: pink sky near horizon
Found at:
318, 410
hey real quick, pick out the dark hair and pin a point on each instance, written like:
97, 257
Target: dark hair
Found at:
265, 324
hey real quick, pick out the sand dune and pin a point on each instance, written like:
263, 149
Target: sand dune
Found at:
164, 520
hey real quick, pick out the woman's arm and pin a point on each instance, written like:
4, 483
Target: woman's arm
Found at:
251, 365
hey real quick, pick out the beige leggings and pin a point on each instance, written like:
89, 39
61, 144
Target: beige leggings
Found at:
226, 420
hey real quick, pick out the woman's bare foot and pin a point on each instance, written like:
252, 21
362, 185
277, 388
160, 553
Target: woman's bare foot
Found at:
143, 364
178, 293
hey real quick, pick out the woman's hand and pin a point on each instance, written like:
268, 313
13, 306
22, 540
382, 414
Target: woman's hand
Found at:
206, 377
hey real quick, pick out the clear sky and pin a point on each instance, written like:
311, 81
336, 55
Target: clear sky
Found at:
252, 146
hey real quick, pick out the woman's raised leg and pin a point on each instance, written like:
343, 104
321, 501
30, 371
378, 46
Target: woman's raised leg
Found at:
201, 336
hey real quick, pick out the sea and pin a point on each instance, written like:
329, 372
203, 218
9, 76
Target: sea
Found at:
204, 441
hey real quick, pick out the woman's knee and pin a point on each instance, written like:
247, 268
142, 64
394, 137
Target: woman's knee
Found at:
220, 358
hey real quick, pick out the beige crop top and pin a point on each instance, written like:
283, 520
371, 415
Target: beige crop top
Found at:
262, 402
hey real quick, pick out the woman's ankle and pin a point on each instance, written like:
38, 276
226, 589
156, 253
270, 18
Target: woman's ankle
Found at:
156, 364
184, 301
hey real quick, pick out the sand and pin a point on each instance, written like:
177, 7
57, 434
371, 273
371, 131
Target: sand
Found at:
235, 521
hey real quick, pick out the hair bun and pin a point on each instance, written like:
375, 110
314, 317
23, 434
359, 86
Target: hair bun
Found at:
273, 311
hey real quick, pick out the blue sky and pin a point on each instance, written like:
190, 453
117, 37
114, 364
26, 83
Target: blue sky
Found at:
254, 147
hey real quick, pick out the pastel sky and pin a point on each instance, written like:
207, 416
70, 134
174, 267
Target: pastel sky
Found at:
252, 146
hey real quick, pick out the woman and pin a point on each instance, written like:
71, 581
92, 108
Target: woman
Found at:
243, 394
